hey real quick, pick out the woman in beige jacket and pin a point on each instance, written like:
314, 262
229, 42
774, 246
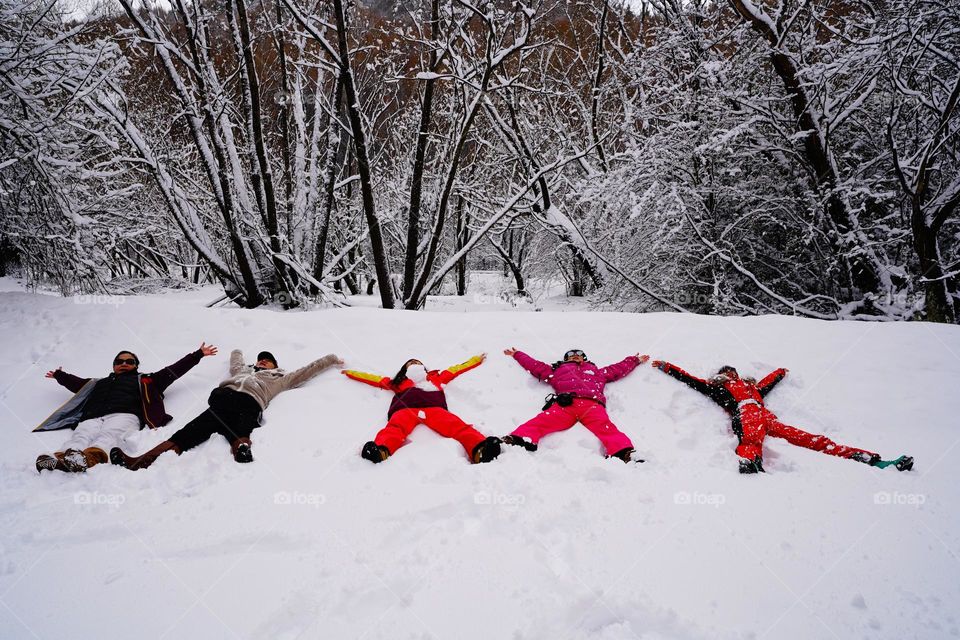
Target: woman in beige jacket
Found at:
234, 410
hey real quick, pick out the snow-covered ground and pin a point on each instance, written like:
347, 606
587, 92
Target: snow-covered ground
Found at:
311, 541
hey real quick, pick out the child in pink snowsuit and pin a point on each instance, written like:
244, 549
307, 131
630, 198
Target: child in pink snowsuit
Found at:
578, 384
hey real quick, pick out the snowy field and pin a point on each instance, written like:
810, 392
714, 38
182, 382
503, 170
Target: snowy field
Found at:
311, 541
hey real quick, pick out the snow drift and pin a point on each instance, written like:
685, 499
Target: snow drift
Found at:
311, 541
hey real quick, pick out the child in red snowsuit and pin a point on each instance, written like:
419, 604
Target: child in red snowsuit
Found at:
419, 398
579, 397
743, 398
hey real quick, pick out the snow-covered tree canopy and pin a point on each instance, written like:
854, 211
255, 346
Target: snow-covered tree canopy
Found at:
721, 157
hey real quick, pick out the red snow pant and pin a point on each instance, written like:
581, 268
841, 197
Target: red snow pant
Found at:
591, 414
758, 422
404, 421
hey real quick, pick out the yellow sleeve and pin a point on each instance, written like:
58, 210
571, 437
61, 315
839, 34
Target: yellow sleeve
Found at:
452, 372
372, 379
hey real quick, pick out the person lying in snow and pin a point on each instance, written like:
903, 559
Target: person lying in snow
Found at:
105, 411
578, 384
419, 398
743, 398
234, 410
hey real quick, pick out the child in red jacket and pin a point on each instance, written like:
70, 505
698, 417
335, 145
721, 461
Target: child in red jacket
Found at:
742, 398
419, 398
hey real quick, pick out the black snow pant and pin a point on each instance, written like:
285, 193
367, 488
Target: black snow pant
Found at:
232, 414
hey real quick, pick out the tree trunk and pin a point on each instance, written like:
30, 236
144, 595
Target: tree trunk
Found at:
939, 304
363, 164
262, 174
330, 179
416, 181
863, 264
463, 221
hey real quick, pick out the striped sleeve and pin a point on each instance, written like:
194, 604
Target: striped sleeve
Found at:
450, 373
381, 382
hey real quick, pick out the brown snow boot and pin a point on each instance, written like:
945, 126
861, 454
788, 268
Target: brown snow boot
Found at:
74, 461
51, 463
95, 456
134, 463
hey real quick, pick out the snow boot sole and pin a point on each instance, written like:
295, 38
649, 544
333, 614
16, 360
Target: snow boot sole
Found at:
751, 466
74, 461
243, 453
904, 463
487, 450
50, 463
517, 441
374, 453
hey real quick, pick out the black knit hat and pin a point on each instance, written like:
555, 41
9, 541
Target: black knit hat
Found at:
127, 351
266, 355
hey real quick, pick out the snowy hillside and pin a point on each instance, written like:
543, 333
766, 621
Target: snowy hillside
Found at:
311, 541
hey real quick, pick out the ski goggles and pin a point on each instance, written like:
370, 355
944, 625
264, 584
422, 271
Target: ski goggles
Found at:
574, 352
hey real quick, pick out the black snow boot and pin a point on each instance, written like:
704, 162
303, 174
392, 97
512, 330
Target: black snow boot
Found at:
486, 450
517, 441
904, 463
374, 453
866, 458
243, 452
751, 466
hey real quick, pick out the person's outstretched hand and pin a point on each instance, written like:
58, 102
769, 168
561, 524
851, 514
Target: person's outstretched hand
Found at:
657, 364
643, 358
340, 363
53, 374
510, 351
483, 357
208, 349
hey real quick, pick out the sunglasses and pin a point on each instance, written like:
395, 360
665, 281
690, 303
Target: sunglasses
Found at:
120, 361
574, 352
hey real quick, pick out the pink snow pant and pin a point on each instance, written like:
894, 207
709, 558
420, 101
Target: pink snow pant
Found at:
591, 414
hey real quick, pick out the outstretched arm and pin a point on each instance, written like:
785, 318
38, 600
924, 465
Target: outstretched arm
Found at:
623, 368
236, 362
372, 379
165, 377
64, 379
450, 373
771, 380
539, 370
301, 375
698, 384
